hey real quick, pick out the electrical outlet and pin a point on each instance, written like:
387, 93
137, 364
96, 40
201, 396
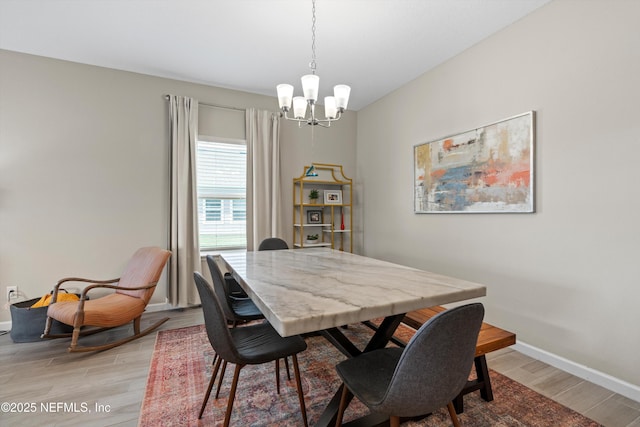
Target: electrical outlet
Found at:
12, 293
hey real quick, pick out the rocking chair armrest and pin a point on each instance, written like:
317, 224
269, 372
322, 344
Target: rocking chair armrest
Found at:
107, 286
54, 297
83, 295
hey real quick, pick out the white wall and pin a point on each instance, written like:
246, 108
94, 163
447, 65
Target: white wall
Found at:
84, 166
567, 278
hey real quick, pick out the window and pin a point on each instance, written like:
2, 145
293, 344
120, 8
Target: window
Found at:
222, 189
239, 209
212, 210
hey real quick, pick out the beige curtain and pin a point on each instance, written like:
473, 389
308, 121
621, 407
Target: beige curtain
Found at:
183, 235
263, 177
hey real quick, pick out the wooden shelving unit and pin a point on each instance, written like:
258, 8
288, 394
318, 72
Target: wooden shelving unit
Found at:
335, 217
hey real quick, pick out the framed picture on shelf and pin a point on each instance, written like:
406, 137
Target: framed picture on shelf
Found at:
333, 197
314, 217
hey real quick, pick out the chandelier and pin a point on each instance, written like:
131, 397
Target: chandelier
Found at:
334, 105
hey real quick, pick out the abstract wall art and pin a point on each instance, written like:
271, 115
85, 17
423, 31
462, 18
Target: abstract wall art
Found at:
485, 170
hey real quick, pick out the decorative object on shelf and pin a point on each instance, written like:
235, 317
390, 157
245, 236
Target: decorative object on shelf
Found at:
311, 171
334, 105
314, 217
313, 196
312, 238
484, 170
333, 197
341, 220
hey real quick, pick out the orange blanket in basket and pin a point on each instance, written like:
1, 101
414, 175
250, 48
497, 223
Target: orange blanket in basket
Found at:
45, 300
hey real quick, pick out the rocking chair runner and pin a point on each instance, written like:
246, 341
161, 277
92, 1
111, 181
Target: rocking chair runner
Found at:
132, 294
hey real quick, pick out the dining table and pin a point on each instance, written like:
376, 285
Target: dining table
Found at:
320, 290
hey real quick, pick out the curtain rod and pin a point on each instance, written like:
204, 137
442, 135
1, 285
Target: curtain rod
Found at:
226, 107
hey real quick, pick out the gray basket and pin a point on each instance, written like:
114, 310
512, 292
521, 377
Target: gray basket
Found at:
27, 324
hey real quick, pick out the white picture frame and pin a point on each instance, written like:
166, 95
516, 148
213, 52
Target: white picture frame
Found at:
333, 197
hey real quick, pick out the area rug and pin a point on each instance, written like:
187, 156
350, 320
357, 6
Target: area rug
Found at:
182, 365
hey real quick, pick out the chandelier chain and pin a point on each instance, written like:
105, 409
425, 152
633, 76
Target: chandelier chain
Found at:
312, 64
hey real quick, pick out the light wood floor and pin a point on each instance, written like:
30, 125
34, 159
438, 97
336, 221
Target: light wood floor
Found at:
115, 380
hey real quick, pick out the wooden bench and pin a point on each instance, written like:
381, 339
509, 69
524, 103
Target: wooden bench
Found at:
490, 339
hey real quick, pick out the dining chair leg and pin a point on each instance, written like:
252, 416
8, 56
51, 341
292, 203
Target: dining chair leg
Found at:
394, 421
215, 358
343, 404
211, 381
224, 368
452, 414
296, 371
286, 365
232, 395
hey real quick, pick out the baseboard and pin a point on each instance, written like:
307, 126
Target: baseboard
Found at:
5, 326
160, 306
607, 381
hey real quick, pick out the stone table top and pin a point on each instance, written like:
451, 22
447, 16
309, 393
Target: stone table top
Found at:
308, 290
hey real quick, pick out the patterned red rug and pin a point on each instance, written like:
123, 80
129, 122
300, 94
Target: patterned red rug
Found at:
182, 364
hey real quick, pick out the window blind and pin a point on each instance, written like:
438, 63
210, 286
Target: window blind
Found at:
222, 192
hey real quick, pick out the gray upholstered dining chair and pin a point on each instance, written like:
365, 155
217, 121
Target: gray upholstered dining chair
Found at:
421, 378
235, 309
272, 243
249, 345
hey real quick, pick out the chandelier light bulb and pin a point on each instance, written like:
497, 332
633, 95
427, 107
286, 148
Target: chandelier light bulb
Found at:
341, 92
285, 95
330, 109
310, 84
299, 107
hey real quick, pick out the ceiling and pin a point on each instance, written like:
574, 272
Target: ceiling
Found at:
375, 46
